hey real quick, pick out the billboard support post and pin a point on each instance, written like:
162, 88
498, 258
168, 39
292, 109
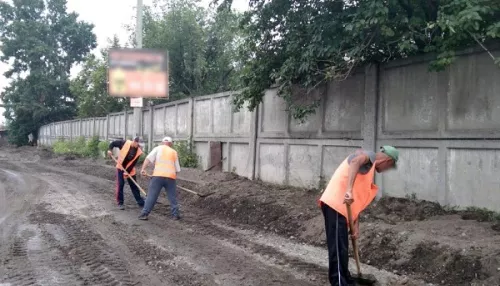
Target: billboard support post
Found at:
138, 39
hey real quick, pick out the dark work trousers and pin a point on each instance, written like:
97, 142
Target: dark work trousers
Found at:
120, 183
337, 239
155, 186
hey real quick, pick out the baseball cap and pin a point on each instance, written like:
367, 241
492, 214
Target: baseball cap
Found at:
137, 139
167, 139
391, 152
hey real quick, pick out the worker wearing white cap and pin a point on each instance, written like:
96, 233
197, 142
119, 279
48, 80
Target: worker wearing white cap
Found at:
164, 176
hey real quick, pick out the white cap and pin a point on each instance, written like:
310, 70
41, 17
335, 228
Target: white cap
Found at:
167, 139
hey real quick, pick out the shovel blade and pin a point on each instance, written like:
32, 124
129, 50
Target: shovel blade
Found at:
366, 279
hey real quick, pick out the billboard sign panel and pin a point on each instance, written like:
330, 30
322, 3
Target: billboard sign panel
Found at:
137, 73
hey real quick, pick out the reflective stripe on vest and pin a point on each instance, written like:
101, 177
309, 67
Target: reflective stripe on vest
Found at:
165, 163
123, 154
364, 191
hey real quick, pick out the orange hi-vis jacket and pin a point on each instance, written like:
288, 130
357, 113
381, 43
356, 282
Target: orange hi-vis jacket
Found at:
123, 155
364, 191
165, 163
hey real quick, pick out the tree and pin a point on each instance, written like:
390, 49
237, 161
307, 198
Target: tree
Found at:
90, 87
306, 43
201, 43
42, 41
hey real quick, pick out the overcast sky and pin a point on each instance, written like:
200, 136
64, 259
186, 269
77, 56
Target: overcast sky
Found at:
109, 18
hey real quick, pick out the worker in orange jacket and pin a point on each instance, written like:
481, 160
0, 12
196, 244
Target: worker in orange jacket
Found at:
165, 172
352, 184
130, 151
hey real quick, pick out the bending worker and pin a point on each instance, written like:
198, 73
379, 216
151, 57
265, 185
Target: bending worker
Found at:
129, 155
352, 183
165, 172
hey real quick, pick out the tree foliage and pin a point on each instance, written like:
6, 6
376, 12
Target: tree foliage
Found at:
41, 41
305, 43
90, 87
201, 43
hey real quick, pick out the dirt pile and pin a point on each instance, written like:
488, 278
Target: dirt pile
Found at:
407, 236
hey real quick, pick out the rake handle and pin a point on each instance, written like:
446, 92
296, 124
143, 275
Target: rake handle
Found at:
182, 188
129, 177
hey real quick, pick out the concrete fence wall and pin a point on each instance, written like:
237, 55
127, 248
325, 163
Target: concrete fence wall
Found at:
446, 124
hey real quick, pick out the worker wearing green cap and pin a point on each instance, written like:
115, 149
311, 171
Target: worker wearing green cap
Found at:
351, 184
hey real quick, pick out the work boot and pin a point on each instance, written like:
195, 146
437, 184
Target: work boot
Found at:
143, 217
121, 207
176, 217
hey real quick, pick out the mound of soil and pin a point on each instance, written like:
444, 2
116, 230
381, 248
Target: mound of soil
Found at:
401, 209
407, 236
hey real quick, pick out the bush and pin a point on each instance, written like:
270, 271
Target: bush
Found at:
103, 146
78, 148
92, 147
143, 156
187, 156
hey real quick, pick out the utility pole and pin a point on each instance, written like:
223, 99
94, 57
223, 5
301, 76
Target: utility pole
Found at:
138, 40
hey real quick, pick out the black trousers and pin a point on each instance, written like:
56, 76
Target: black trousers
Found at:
337, 239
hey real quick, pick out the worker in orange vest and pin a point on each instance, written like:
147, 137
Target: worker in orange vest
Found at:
164, 176
352, 184
129, 155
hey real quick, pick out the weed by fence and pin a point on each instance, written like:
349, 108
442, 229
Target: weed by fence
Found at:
186, 153
79, 147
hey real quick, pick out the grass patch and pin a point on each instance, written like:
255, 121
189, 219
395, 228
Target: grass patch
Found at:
480, 214
78, 148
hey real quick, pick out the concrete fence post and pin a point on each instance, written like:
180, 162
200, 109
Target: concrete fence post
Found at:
151, 128
125, 116
369, 129
93, 133
370, 123
254, 133
80, 133
106, 134
71, 130
191, 123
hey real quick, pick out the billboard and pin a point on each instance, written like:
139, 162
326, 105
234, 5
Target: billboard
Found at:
137, 73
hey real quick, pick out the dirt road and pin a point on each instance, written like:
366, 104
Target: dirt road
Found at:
59, 226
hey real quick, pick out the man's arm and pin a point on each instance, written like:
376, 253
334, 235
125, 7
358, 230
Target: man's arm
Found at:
177, 165
151, 158
115, 144
354, 167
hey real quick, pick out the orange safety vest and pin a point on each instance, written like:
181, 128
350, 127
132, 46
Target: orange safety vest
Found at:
165, 163
123, 155
364, 191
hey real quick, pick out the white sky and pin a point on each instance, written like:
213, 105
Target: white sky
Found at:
109, 18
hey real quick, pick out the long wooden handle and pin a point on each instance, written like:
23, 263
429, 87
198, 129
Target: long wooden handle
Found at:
182, 188
354, 242
130, 177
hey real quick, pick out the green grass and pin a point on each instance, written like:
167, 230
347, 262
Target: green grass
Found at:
186, 153
78, 148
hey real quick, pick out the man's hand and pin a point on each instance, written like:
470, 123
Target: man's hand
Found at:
110, 153
348, 198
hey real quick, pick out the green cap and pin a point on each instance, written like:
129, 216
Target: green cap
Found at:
391, 152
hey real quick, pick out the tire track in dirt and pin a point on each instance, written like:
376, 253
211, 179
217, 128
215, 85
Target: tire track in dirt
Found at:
85, 250
17, 265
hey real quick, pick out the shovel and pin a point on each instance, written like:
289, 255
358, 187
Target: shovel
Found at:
190, 191
130, 177
360, 279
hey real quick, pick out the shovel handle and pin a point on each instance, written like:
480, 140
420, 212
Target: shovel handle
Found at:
182, 188
354, 242
129, 177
